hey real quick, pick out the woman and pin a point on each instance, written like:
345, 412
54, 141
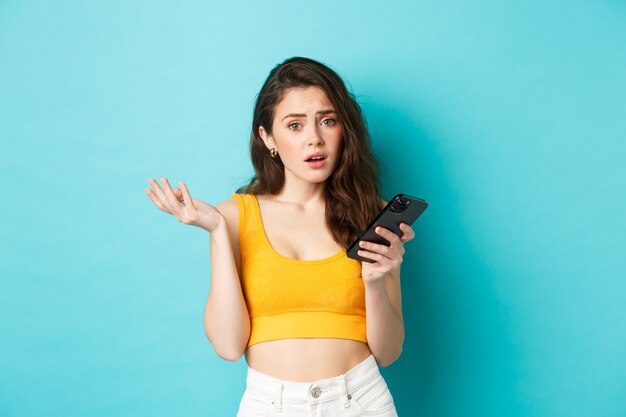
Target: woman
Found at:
314, 325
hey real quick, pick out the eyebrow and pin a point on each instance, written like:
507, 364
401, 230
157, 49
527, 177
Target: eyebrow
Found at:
304, 115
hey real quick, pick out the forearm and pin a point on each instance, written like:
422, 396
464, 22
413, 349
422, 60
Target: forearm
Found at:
385, 330
226, 318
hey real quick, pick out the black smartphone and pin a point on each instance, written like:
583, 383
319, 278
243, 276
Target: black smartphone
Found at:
400, 209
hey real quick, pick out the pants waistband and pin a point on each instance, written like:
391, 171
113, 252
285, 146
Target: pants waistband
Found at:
266, 386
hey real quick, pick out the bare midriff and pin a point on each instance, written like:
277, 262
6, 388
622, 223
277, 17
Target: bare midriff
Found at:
306, 360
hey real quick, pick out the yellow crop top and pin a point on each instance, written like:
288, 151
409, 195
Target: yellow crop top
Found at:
290, 298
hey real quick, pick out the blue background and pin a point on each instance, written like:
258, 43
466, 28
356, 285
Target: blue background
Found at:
508, 117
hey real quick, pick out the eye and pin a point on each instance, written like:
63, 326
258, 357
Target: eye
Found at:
292, 124
329, 120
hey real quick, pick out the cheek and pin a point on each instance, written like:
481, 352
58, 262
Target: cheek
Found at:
336, 139
289, 150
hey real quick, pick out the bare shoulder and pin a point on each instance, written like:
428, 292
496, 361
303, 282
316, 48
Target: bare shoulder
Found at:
228, 208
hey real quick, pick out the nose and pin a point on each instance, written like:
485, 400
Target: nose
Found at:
315, 138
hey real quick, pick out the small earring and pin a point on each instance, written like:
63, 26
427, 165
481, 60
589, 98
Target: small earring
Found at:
273, 152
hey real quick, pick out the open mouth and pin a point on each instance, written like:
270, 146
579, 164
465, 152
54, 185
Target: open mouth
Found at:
316, 158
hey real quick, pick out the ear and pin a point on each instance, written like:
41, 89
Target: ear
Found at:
267, 138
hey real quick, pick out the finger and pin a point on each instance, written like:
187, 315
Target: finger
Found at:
375, 247
157, 190
387, 262
186, 196
171, 199
396, 243
156, 200
373, 256
387, 234
408, 232
366, 254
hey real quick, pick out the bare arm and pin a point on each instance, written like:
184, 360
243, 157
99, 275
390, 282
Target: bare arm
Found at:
383, 300
226, 319
385, 327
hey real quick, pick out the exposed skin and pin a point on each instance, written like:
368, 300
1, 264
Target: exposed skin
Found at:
295, 138
297, 211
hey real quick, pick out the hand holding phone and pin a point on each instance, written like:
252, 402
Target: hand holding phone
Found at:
400, 209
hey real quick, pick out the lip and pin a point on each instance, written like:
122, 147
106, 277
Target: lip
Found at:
316, 164
316, 154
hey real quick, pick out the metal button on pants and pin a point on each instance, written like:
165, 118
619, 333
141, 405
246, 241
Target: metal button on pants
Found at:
315, 392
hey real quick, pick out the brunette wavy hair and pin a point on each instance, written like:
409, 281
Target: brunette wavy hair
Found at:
352, 192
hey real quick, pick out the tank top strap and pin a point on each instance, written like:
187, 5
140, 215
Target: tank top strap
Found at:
242, 203
250, 226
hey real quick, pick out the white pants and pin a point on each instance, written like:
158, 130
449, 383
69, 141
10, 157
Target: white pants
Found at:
362, 391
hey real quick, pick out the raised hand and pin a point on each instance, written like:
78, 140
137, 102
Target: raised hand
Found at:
178, 203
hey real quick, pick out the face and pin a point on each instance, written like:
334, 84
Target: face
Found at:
305, 123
